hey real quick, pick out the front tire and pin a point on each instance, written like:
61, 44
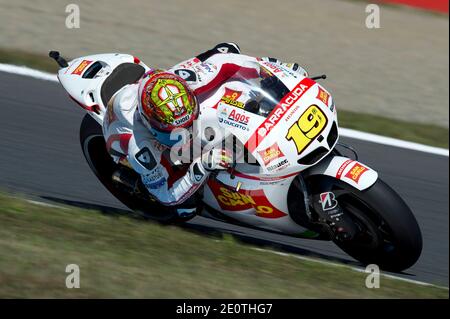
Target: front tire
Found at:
388, 233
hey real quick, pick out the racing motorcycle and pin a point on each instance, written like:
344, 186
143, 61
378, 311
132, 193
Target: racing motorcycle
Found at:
292, 177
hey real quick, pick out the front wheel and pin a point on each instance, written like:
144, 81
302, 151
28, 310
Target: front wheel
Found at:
387, 232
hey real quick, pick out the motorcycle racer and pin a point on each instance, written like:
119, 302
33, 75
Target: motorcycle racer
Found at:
282, 127
141, 116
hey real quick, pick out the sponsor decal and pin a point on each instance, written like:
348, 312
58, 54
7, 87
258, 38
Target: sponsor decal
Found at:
190, 63
279, 166
154, 179
235, 119
80, 68
323, 96
232, 102
230, 97
270, 68
328, 201
153, 185
225, 49
265, 72
182, 120
234, 124
291, 113
198, 174
284, 105
232, 94
342, 168
241, 118
274, 182
273, 67
154, 175
230, 200
223, 113
187, 75
271, 153
146, 158
278, 112
206, 68
356, 171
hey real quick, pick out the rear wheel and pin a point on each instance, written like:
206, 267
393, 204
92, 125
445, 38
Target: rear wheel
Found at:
387, 232
101, 163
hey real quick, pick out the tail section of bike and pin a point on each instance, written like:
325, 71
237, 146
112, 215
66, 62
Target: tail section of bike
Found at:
93, 79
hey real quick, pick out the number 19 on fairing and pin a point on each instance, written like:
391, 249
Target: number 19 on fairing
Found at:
310, 124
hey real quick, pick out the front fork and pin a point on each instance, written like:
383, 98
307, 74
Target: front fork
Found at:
322, 196
329, 214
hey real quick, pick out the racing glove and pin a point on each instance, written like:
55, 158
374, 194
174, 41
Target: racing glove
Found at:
293, 66
217, 159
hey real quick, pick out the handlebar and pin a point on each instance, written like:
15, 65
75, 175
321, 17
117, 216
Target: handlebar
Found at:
58, 58
319, 77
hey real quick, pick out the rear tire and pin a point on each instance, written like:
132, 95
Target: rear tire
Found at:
389, 235
101, 163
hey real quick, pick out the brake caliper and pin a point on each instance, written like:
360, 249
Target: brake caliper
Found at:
333, 216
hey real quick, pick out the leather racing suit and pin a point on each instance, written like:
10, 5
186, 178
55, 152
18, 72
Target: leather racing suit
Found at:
128, 140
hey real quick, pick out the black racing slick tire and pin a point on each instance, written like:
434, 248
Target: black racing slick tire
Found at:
101, 163
389, 235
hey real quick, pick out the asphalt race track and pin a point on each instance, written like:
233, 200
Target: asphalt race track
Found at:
41, 157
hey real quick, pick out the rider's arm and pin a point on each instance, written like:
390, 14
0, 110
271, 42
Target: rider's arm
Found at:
166, 184
207, 71
174, 192
169, 185
225, 67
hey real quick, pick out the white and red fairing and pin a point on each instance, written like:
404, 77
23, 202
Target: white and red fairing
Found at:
258, 193
86, 92
261, 200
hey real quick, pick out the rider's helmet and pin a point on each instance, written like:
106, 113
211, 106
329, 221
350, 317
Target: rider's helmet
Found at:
166, 103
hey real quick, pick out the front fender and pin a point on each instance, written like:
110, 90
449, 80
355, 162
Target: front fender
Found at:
352, 172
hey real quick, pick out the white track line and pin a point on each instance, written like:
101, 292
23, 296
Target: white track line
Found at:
26, 71
328, 263
39, 203
316, 260
391, 141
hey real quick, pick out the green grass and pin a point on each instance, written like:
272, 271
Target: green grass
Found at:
123, 257
420, 133
31, 60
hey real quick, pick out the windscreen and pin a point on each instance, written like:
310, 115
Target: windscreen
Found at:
265, 90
